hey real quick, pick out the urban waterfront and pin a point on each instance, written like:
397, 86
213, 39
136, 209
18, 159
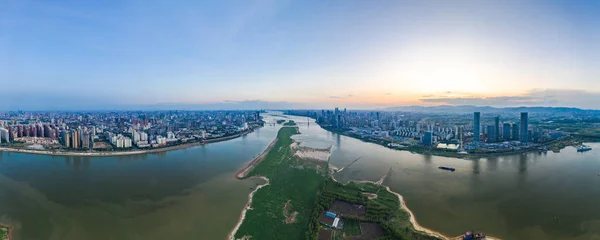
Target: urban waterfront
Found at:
192, 194
182, 194
509, 197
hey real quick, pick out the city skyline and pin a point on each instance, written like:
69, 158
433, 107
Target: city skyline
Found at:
289, 55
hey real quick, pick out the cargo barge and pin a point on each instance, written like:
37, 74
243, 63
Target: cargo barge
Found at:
447, 168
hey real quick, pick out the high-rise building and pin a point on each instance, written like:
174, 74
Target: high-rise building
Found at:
506, 131
85, 140
47, 130
491, 133
4, 137
476, 126
428, 138
40, 130
75, 138
66, 139
497, 128
524, 127
515, 132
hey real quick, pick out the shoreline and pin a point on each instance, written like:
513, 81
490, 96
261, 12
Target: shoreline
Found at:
242, 173
248, 206
473, 155
123, 153
412, 218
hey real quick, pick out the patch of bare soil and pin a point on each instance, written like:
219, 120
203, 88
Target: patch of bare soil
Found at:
370, 195
289, 218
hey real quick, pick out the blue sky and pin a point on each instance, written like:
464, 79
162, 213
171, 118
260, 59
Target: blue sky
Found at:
246, 54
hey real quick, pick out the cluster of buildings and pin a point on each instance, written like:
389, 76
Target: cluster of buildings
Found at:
443, 130
109, 130
508, 132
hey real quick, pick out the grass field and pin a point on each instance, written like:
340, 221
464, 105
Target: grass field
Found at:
290, 181
351, 228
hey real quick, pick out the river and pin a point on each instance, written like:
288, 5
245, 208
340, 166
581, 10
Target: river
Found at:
191, 193
181, 194
510, 197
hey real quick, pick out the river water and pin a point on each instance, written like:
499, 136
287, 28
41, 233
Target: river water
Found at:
191, 194
182, 194
510, 197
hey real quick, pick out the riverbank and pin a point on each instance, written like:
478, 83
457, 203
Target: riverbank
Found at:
248, 206
244, 171
124, 153
403, 206
293, 182
553, 145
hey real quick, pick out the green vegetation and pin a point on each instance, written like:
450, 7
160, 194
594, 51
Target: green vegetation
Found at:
290, 123
307, 187
3, 232
385, 209
280, 121
351, 228
290, 180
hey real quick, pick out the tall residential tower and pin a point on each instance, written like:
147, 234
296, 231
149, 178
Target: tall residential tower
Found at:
524, 127
476, 126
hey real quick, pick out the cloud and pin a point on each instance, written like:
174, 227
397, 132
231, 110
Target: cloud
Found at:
534, 97
388, 93
339, 97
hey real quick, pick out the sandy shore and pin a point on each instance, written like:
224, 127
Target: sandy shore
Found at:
311, 153
248, 206
244, 172
123, 153
413, 220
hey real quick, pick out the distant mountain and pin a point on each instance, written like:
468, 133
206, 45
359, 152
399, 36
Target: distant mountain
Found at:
486, 109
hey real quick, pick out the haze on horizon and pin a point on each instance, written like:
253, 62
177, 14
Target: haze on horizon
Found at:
57, 55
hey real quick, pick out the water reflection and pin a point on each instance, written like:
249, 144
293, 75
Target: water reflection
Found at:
476, 166
510, 197
492, 164
427, 159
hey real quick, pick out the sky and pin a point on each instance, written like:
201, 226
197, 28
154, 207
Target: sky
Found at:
88, 55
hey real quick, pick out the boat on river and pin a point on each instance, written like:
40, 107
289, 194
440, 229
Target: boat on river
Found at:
583, 149
447, 168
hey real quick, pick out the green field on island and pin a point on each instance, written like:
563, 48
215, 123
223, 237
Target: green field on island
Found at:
300, 190
282, 209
